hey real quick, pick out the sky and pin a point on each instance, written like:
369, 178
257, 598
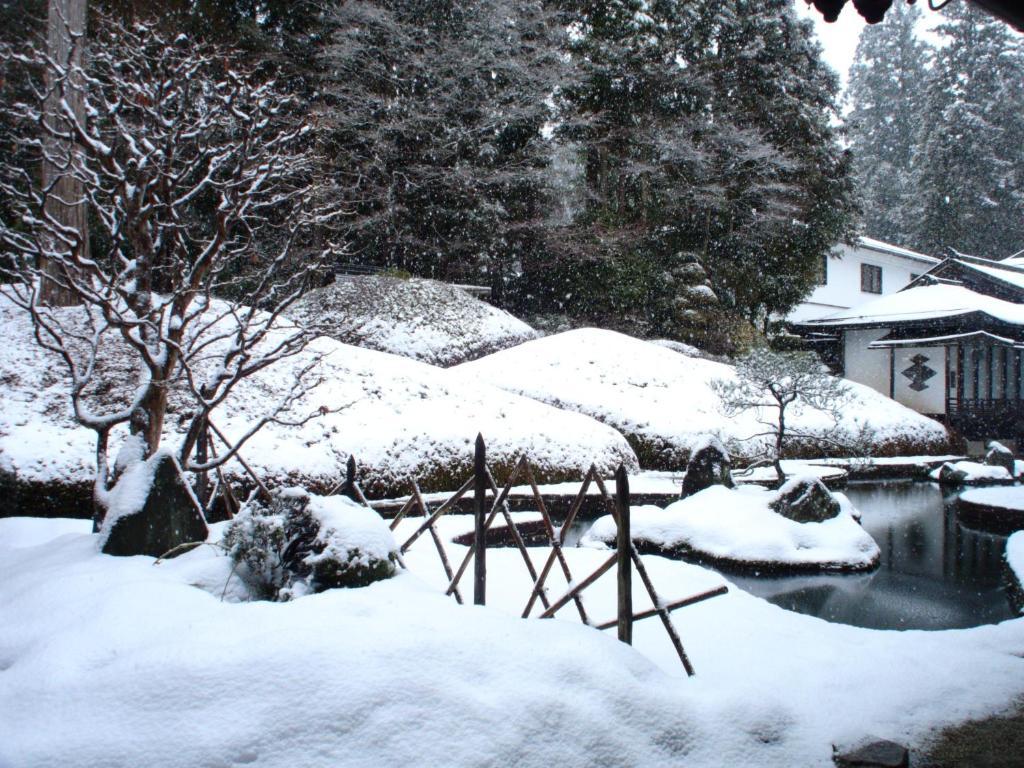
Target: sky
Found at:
839, 40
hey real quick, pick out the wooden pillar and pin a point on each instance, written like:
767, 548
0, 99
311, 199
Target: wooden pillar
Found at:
479, 533
624, 550
892, 373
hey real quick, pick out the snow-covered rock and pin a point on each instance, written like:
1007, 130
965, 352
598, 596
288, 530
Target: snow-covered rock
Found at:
663, 402
426, 320
738, 527
970, 473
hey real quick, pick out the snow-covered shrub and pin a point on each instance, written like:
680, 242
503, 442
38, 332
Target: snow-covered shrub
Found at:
426, 320
299, 543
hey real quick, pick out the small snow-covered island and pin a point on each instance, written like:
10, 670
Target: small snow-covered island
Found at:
509, 383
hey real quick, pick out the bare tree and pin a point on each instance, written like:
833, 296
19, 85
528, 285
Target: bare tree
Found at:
769, 383
199, 185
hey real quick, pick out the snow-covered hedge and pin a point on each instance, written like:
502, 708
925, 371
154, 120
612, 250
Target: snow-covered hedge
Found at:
426, 320
398, 417
663, 402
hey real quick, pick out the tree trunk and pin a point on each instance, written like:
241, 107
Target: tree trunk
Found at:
778, 448
66, 21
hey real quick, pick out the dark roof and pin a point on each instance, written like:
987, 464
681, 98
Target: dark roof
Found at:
873, 11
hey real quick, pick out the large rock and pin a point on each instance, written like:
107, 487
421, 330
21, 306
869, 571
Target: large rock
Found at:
152, 510
1000, 456
805, 500
709, 465
873, 754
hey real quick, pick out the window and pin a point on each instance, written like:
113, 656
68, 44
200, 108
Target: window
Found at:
823, 270
870, 278
914, 276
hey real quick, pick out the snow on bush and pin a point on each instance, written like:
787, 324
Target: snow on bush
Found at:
426, 320
398, 417
739, 527
299, 543
663, 401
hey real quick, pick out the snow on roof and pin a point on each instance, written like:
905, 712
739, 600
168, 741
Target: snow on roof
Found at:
926, 302
878, 245
1008, 273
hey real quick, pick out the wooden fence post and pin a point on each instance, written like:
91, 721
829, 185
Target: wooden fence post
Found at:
350, 478
202, 456
480, 509
624, 548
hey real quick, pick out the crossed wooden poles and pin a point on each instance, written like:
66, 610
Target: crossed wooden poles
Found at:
625, 557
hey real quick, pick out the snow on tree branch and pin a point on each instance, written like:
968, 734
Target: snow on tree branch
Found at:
199, 184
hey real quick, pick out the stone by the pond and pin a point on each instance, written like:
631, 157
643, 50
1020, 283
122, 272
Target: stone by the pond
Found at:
709, 465
1000, 456
873, 754
153, 512
805, 500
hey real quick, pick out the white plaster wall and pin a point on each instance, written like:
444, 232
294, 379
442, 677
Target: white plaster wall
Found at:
842, 289
932, 399
866, 366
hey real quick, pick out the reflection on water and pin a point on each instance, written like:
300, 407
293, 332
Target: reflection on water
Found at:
934, 573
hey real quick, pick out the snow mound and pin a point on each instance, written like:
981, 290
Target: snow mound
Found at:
402, 419
663, 402
426, 320
398, 417
738, 527
141, 666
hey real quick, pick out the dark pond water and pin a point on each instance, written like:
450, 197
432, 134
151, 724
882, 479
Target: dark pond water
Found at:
934, 573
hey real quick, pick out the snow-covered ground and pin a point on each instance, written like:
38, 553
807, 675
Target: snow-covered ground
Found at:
123, 662
423, 319
662, 400
739, 527
398, 417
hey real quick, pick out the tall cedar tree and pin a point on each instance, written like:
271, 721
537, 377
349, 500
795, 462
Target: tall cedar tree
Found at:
970, 166
632, 119
704, 132
787, 183
434, 113
885, 96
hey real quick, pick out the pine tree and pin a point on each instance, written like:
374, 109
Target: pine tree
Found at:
968, 171
885, 96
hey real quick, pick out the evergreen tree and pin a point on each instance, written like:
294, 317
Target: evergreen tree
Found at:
969, 171
885, 93
786, 187
634, 111
435, 111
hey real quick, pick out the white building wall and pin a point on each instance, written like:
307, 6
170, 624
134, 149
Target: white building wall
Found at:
842, 287
866, 366
932, 399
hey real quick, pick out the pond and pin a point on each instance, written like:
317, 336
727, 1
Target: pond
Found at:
934, 573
